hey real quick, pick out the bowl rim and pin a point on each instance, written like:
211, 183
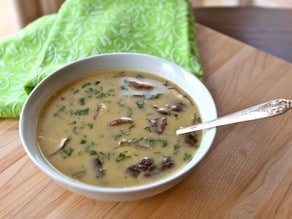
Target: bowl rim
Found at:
64, 179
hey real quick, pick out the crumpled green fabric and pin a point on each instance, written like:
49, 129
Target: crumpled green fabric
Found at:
82, 28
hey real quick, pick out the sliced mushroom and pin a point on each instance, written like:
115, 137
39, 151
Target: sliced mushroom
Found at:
61, 146
161, 110
127, 142
158, 124
139, 85
167, 163
99, 168
146, 165
177, 107
191, 138
101, 108
121, 121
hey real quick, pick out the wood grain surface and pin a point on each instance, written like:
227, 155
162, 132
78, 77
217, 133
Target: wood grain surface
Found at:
268, 29
246, 174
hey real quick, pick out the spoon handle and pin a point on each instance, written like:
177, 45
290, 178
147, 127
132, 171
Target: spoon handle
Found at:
264, 110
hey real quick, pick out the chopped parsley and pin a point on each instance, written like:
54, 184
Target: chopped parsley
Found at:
81, 112
140, 104
176, 148
85, 85
83, 141
187, 157
123, 87
79, 174
67, 152
148, 129
121, 157
199, 120
152, 141
93, 153
81, 101
104, 156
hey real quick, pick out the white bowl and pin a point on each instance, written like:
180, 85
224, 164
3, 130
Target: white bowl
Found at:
116, 61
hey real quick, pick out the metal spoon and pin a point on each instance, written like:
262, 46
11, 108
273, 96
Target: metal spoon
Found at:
264, 110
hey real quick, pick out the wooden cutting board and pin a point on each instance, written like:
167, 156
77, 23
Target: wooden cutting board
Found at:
247, 173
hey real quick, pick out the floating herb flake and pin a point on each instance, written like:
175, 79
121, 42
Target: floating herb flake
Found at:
199, 120
81, 112
176, 148
74, 90
104, 156
79, 174
93, 153
148, 129
85, 85
117, 136
67, 152
110, 92
96, 83
129, 112
83, 141
90, 125
187, 157
140, 104
123, 87
152, 141
81, 101
121, 157
132, 126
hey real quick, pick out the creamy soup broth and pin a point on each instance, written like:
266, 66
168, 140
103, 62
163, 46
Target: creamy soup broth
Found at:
117, 129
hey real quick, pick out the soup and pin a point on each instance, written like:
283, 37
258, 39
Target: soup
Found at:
117, 129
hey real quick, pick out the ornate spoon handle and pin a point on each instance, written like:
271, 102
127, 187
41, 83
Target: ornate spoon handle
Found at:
264, 110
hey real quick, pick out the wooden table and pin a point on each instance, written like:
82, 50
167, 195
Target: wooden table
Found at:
247, 173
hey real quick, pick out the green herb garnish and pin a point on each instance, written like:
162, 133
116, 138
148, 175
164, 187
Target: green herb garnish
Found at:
110, 92
74, 90
117, 136
129, 112
96, 82
120, 103
73, 122
152, 141
93, 153
90, 125
132, 126
79, 174
85, 85
140, 104
67, 152
81, 101
83, 141
100, 95
104, 156
199, 120
154, 96
176, 148
75, 130
148, 129
62, 108
123, 87
121, 157
81, 112
187, 157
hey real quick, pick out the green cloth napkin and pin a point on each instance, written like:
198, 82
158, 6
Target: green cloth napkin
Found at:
82, 28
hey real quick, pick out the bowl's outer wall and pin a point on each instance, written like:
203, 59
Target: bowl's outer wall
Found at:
118, 61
